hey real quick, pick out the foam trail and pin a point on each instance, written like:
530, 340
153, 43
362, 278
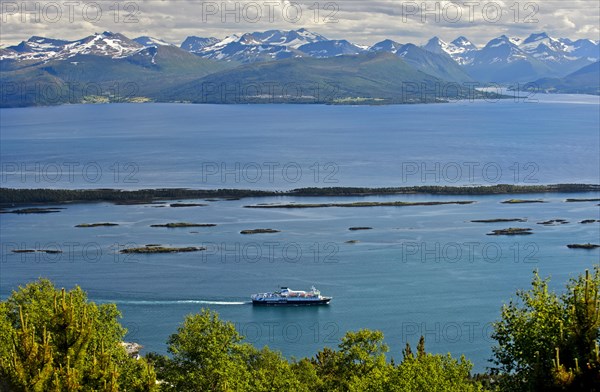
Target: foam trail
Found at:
175, 302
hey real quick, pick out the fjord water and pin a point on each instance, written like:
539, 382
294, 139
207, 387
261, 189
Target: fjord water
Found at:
420, 270
285, 146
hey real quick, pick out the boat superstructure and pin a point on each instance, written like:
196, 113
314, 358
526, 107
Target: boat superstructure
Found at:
286, 296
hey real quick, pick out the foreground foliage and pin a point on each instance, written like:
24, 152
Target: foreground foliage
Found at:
208, 354
54, 340
550, 342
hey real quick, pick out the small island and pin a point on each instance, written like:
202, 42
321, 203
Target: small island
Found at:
586, 221
148, 249
522, 201
360, 228
49, 251
174, 225
33, 210
553, 222
259, 231
512, 231
580, 200
583, 246
97, 224
352, 242
499, 220
133, 202
361, 204
176, 205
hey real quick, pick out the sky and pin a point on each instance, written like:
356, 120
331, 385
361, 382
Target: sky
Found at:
362, 22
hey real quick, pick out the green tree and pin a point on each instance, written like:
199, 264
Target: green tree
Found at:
328, 367
270, 371
362, 351
422, 373
58, 340
547, 341
433, 373
361, 354
306, 373
207, 355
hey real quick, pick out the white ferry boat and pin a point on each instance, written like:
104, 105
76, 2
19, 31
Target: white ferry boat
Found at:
285, 296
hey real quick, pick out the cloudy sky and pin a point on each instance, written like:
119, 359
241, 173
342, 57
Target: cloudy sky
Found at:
363, 22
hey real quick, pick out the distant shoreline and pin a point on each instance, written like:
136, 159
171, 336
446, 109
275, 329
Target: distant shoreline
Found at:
18, 197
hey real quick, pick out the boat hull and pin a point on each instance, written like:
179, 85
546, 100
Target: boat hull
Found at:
324, 301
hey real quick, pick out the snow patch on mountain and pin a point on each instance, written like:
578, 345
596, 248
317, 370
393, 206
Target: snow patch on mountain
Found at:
107, 44
274, 45
460, 50
151, 41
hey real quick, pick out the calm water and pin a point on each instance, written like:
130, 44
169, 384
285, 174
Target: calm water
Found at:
420, 270
289, 146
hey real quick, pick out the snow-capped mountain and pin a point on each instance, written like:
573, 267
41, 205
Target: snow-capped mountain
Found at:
292, 39
437, 46
503, 59
386, 46
561, 56
178, 73
195, 44
499, 50
269, 45
331, 48
40, 44
246, 49
107, 44
438, 64
547, 49
584, 48
35, 48
462, 45
151, 41
464, 52
561, 53
460, 50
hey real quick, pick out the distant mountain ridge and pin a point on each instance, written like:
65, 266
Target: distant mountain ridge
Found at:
563, 54
159, 68
583, 81
508, 59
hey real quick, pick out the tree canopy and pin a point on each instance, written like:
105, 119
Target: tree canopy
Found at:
57, 340
547, 341
54, 340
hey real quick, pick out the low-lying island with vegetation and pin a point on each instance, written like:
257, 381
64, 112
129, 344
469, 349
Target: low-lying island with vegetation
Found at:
174, 225
259, 231
156, 248
512, 231
10, 197
103, 224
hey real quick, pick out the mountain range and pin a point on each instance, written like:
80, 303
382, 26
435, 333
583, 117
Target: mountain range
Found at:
161, 71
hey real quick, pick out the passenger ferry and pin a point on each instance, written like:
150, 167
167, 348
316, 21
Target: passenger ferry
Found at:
285, 296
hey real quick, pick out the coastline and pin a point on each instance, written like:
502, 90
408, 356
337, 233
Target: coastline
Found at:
12, 197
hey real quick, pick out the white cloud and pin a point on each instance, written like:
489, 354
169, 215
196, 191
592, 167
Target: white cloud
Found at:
364, 22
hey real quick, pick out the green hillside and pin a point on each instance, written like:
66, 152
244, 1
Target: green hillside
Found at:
365, 78
584, 81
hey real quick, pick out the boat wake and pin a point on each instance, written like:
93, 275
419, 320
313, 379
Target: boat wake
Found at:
175, 302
